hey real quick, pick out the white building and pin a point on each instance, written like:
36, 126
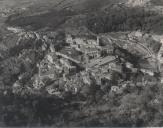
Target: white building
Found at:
15, 30
69, 39
147, 72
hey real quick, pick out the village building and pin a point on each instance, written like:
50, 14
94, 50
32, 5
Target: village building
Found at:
92, 53
16, 84
68, 68
69, 39
146, 71
38, 83
83, 43
88, 45
116, 90
115, 67
86, 78
15, 30
53, 91
107, 50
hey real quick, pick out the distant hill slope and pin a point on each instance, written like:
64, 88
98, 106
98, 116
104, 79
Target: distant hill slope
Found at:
54, 13
100, 16
157, 2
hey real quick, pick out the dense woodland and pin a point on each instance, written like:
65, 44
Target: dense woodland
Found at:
137, 106
125, 19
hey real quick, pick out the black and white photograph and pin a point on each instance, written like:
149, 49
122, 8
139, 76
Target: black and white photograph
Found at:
81, 63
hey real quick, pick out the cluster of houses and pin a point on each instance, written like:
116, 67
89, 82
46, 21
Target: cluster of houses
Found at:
86, 51
55, 65
6, 12
88, 45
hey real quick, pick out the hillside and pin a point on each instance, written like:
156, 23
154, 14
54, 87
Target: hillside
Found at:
81, 63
